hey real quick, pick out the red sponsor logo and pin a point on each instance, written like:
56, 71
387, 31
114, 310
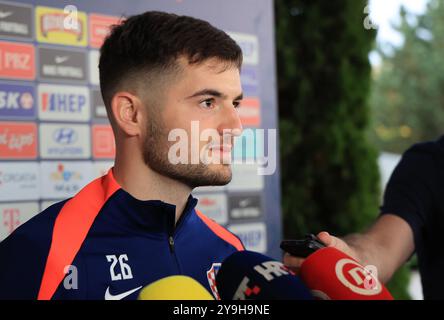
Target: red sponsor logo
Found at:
17, 60
356, 277
11, 219
104, 145
99, 28
18, 140
207, 202
249, 112
55, 22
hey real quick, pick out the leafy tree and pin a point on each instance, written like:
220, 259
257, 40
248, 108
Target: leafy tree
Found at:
408, 98
330, 177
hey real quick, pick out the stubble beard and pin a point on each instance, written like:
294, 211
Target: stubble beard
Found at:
155, 155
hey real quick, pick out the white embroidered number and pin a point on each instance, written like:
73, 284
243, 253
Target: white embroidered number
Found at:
125, 270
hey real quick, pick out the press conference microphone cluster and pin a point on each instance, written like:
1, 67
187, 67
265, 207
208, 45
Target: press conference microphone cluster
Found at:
247, 275
327, 274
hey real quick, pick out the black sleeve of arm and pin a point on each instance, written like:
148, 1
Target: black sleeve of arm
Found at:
410, 191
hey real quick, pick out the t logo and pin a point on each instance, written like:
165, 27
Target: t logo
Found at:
125, 270
11, 219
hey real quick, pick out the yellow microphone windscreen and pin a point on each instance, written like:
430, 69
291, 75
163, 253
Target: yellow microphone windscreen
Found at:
175, 288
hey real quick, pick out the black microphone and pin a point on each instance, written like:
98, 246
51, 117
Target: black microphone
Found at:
247, 275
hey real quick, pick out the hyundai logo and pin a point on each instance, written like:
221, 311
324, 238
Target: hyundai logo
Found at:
65, 136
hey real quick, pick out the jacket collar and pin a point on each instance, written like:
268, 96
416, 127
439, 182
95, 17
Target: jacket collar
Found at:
154, 216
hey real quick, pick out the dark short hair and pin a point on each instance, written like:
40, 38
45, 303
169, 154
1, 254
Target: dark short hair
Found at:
153, 41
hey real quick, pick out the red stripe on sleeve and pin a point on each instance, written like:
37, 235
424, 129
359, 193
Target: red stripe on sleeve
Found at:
70, 229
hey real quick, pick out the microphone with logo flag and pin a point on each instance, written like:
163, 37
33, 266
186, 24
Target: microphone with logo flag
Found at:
247, 275
175, 288
332, 275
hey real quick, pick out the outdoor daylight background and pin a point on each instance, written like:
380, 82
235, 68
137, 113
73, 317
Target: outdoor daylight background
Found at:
359, 82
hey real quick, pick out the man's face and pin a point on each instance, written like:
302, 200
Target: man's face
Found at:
201, 104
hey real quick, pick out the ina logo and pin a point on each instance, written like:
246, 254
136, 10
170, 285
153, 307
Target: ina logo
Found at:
64, 175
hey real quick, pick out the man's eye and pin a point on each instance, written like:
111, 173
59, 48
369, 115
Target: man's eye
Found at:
209, 103
236, 104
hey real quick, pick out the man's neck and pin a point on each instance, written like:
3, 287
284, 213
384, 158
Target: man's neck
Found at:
145, 184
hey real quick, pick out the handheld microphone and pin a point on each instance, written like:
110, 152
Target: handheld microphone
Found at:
332, 275
175, 288
246, 275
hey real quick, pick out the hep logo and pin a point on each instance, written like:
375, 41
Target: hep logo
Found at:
65, 136
357, 278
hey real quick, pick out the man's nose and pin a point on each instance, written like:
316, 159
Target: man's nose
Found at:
231, 121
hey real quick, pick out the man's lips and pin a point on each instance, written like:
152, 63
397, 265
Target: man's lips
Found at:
225, 148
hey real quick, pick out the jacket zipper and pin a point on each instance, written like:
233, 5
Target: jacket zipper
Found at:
171, 244
173, 252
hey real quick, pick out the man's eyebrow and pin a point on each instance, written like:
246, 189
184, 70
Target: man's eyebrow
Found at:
239, 97
214, 93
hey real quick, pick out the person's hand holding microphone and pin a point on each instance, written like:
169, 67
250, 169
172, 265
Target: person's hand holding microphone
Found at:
294, 261
329, 268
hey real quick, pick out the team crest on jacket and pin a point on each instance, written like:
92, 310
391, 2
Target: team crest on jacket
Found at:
211, 276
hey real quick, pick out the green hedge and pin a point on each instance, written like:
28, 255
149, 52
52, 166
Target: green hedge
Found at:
330, 177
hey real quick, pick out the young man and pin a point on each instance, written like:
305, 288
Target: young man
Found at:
159, 73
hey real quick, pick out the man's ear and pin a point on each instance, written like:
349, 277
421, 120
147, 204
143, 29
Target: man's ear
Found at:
127, 113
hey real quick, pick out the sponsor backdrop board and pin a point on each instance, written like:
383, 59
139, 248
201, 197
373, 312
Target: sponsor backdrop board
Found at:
54, 133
